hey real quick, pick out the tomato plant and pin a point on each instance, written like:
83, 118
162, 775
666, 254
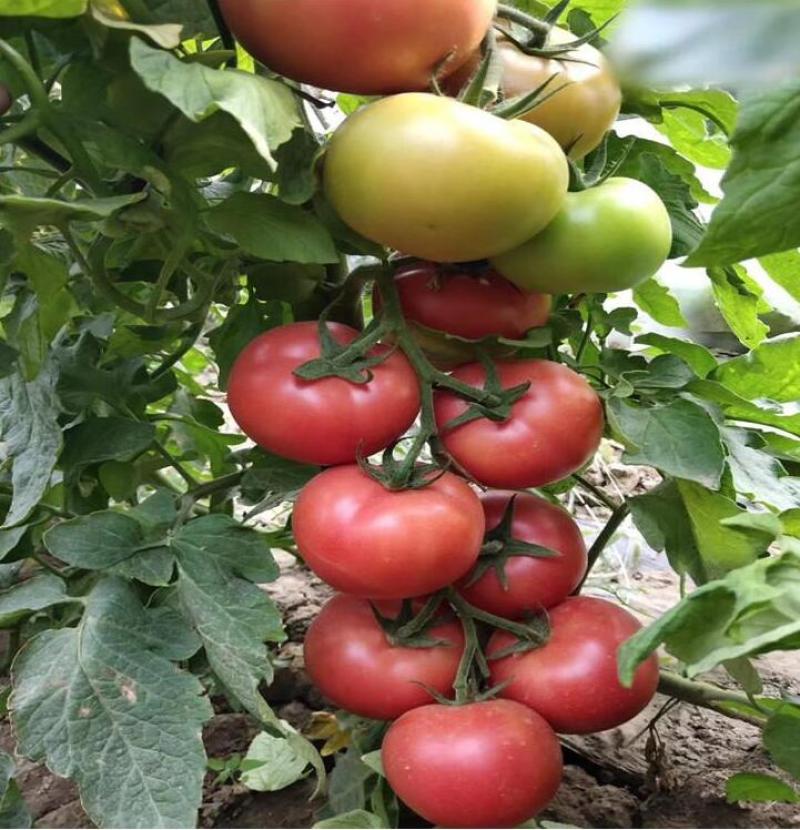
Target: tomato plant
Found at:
355, 664
390, 177
328, 421
372, 542
489, 764
190, 236
607, 238
552, 430
512, 585
572, 680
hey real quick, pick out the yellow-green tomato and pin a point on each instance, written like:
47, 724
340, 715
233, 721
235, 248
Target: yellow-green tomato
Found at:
607, 238
441, 180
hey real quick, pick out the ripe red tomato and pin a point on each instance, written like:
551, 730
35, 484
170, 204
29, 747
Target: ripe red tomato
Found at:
472, 306
488, 764
360, 46
326, 421
532, 583
352, 662
572, 680
554, 429
387, 544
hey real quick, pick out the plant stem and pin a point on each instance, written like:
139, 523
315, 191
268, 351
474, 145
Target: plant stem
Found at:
538, 27
226, 482
604, 537
175, 464
596, 492
463, 608
587, 333
707, 696
225, 34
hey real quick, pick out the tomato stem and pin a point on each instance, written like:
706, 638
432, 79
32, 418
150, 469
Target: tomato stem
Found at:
538, 28
616, 518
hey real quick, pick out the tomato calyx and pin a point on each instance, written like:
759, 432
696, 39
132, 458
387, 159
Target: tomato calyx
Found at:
352, 362
409, 630
599, 168
497, 403
501, 545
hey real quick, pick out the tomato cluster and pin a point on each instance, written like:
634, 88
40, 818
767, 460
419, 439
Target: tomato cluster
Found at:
444, 592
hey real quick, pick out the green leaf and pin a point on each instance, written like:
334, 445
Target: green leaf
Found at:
265, 109
374, 761
272, 763
243, 323
699, 358
13, 809
35, 594
104, 439
758, 213
42, 8
782, 738
85, 701
272, 480
752, 610
10, 538
348, 791
232, 616
757, 474
738, 304
268, 228
24, 214
165, 35
669, 43
739, 408
8, 359
679, 438
769, 372
241, 549
29, 425
662, 518
352, 820
655, 299
755, 786
722, 548
784, 268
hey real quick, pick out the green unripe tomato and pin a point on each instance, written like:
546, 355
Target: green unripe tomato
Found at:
443, 181
607, 238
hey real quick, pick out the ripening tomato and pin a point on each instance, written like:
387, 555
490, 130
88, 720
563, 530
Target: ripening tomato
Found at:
488, 764
532, 583
554, 429
440, 180
585, 95
387, 544
352, 662
607, 238
469, 305
572, 680
360, 46
327, 421
441, 301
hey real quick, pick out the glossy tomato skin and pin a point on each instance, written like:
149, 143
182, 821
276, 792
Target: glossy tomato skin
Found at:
554, 429
472, 306
442, 304
440, 180
607, 238
351, 661
360, 46
572, 680
488, 764
586, 98
372, 542
533, 583
327, 421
